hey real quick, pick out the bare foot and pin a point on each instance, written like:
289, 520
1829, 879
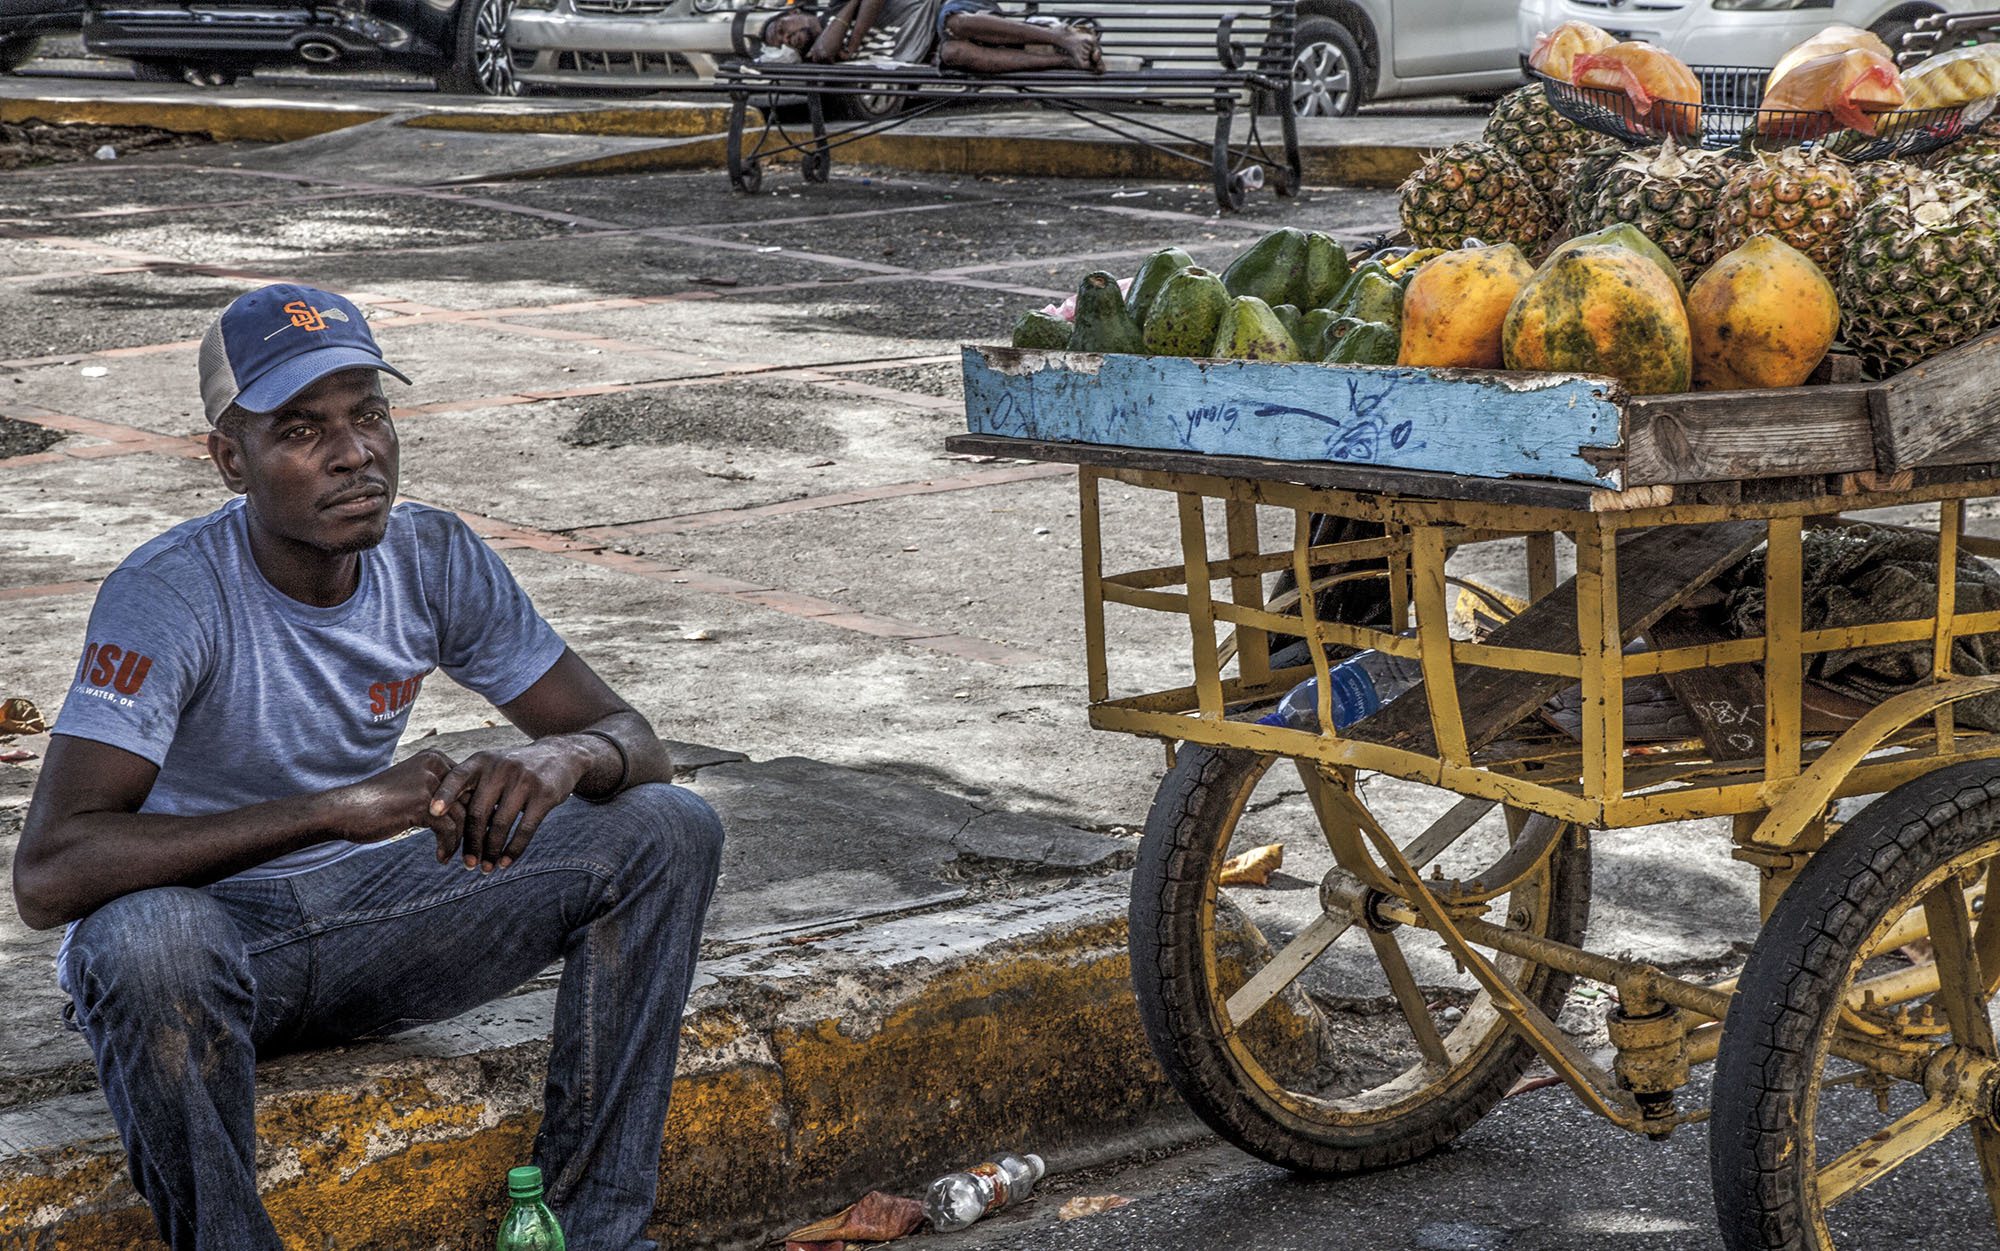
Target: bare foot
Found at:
1079, 49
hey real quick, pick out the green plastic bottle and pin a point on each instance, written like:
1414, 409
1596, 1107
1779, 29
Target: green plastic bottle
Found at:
529, 1225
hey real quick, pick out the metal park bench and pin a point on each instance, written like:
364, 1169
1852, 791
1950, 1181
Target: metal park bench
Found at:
1160, 54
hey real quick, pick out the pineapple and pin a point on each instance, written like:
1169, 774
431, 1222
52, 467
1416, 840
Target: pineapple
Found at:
1808, 202
1527, 127
1582, 176
1976, 164
1877, 178
1671, 194
1922, 273
1475, 191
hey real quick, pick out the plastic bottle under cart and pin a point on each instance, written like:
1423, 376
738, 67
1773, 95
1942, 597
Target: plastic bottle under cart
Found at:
1361, 684
956, 1200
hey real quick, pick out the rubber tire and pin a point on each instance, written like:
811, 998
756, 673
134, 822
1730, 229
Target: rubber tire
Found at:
857, 109
14, 53
1770, 1040
151, 71
1193, 800
1326, 30
461, 76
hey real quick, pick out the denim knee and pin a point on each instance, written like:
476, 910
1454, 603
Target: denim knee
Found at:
154, 949
663, 818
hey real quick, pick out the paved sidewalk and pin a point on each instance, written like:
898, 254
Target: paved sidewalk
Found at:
608, 135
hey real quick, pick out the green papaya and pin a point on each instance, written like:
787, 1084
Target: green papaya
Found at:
1626, 235
1375, 298
1041, 330
1326, 270
1346, 292
1311, 336
1103, 323
1273, 270
1289, 315
1370, 343
1338, 328
1250, 331
1185, 314
1153, 275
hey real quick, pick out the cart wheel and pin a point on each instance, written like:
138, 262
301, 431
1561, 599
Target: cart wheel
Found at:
1328, 1075
1797, 1131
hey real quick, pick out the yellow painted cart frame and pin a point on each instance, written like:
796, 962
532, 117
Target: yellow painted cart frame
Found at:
1779, 803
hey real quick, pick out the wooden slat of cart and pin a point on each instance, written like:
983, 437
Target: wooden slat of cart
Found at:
1657, 570
1942, 411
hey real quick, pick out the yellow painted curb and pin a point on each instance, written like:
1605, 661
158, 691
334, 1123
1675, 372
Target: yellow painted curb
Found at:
664, 121
269, 122
808, 1076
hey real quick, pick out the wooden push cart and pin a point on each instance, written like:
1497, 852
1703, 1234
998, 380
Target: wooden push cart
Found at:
1454, 827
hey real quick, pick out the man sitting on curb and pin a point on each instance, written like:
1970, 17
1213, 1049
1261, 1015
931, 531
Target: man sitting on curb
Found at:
218, 815
968, 35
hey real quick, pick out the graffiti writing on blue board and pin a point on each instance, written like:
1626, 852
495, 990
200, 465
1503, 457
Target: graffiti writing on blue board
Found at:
1362, 434
1222, 416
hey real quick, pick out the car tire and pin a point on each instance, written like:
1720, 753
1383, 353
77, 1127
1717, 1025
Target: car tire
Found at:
1327, 70
1890, 30
152, 71
14, 53
870, 108
480, 63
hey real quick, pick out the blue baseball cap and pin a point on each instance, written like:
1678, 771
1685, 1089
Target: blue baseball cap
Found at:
276, 341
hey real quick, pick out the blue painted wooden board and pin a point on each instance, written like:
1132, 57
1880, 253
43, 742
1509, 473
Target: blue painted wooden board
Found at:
1491, 425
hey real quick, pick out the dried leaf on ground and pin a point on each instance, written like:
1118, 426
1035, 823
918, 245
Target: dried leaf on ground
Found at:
20, 716
1089, 1205
875, 1217
1253, 867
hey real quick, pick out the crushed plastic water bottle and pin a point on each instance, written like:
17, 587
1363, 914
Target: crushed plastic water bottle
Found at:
1360, 685
956, 1200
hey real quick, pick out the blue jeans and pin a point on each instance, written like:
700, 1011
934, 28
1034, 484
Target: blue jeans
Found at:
179, 991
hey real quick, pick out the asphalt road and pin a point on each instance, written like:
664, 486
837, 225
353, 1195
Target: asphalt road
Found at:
1538, 1174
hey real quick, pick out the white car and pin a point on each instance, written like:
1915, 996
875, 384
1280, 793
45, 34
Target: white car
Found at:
1350, 53
1730, 32
644, 45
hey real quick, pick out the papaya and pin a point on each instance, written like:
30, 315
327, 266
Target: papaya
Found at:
1338, 329
1273, 270
1326, 270
1153, 275
1250, 331
1456, 304
1184, 316
1370, 343
1626, 235
1041, 330
1311, 337
1601, 309
1375, 298
1103, 324
1289, 314
1354, 277
1761, 316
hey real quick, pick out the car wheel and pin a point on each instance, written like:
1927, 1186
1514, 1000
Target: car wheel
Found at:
871, 108
14, 53
1327, 69
210, 76
1890, 30
480, 63
151, 71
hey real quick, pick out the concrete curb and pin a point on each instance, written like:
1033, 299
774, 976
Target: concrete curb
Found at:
813, 1069
696, 130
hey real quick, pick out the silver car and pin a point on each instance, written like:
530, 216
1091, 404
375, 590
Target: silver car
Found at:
636, 44
1353, 53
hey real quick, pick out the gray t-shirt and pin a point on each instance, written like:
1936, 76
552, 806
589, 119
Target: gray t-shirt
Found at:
242, 694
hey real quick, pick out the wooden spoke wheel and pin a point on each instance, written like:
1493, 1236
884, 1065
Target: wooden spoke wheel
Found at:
1307, 1040
1857, 1078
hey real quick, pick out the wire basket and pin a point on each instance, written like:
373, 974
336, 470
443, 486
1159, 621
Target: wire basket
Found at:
1728, 117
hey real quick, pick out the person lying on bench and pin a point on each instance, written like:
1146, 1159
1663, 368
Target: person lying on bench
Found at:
968, 35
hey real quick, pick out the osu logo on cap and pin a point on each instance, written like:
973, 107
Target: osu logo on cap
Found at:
306, 317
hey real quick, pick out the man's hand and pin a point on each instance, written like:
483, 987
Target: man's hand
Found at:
394, 800
489, 806
827, 48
